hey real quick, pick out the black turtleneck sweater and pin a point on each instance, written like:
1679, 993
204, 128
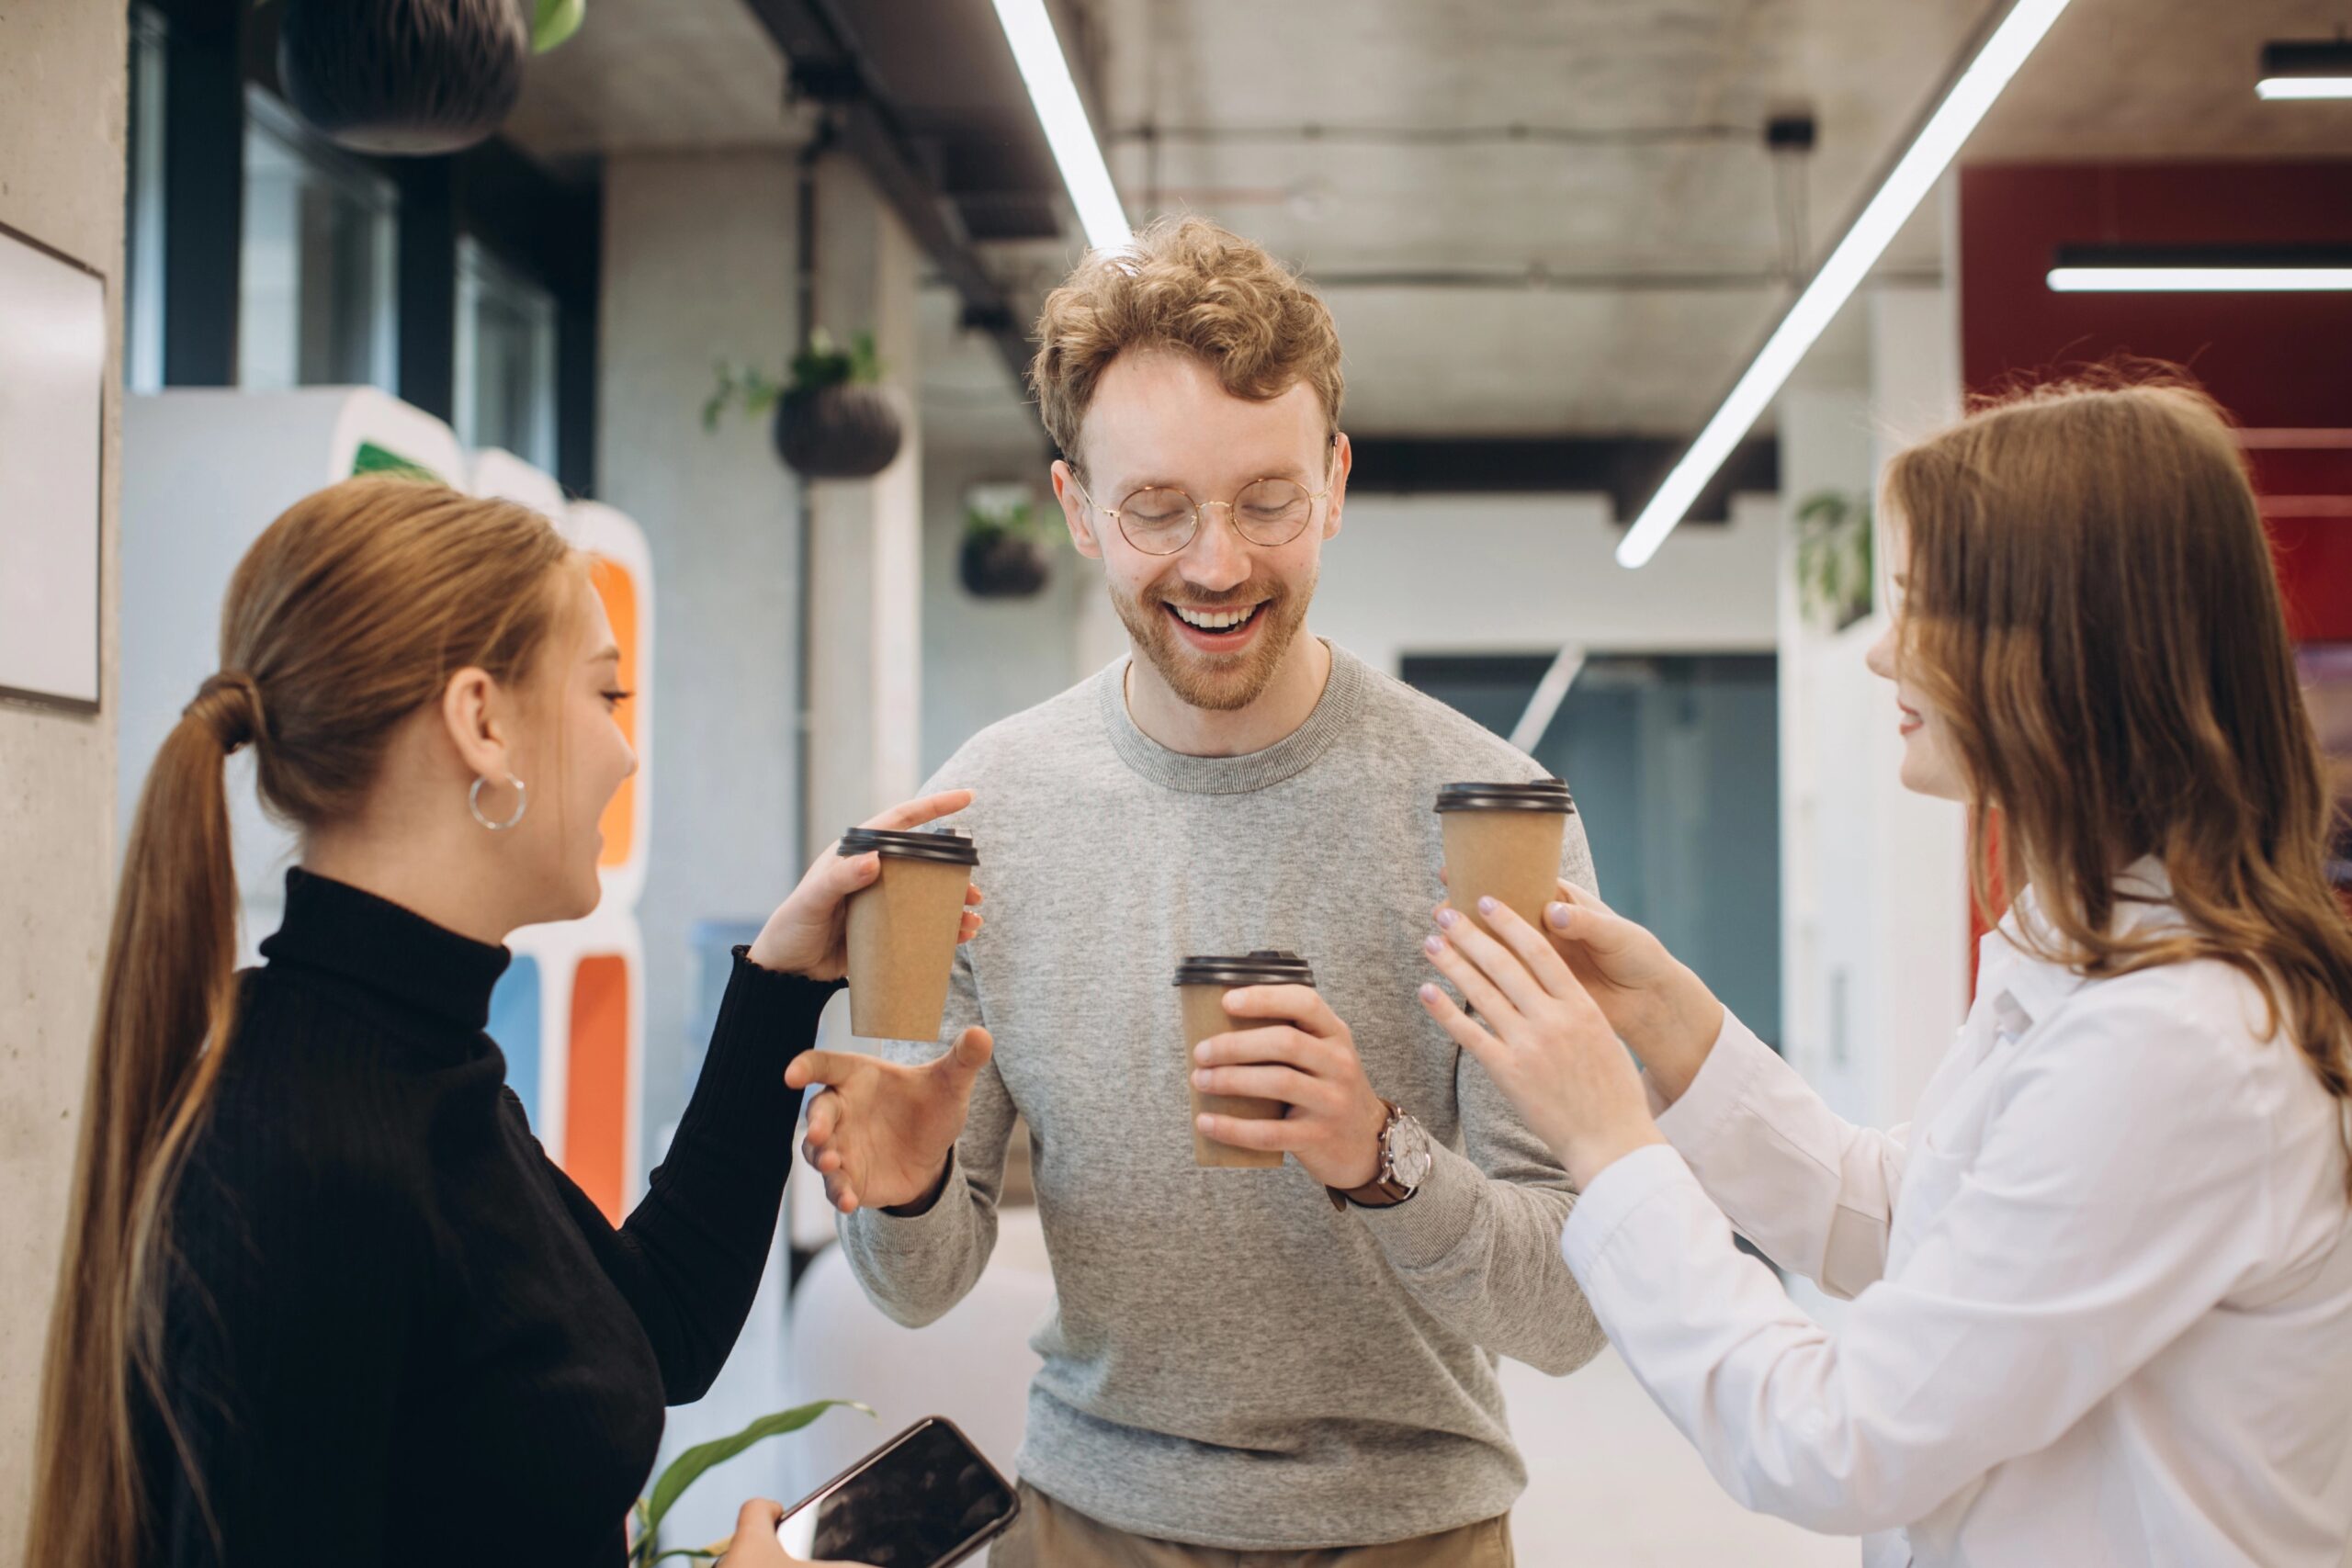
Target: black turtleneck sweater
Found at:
395, 1332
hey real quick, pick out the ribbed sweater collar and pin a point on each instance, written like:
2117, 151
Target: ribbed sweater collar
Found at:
401, 956
1342, 699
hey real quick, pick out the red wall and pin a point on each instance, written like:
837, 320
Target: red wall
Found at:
2281, 362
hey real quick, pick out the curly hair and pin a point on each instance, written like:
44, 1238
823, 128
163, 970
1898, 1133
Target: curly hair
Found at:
1188, 285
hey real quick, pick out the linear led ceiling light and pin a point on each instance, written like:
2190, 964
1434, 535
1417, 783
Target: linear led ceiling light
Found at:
1937, 140
2306, 71
2110, 269
1046, 70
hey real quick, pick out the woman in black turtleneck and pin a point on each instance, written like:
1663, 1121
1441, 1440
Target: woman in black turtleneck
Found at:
325, 1298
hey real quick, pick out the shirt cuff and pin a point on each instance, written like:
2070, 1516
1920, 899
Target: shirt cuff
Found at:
764, 1019
890, 1234
1422, 1229
1615, 1195
1725, 1081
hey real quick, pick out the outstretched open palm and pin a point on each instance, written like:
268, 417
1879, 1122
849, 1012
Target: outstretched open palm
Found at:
880, 1133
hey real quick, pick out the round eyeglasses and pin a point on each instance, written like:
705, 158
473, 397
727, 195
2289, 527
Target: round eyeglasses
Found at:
1160, 520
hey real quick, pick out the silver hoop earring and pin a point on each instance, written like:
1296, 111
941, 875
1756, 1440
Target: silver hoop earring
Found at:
474, 804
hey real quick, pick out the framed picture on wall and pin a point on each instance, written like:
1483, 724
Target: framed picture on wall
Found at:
53, 409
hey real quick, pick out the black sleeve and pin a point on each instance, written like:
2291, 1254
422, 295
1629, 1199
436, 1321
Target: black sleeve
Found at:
290, 1300
690, 1256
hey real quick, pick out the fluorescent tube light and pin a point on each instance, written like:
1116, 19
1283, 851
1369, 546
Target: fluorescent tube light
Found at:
2198, 279
2306, 71
1046, 70
1932, 148
2085, 270
2293, 89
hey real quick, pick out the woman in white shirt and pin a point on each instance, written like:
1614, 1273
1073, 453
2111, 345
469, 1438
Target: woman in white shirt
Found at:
2102, 1284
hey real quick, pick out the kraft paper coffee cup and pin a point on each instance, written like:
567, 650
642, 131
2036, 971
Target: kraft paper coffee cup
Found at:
902, 930
1201, 981
1502, 841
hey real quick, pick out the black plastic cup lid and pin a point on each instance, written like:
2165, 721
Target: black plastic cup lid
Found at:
1544, 795
951, 848
1267, 967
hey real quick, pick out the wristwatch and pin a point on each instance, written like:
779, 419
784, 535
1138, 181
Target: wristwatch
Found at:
1404, 1162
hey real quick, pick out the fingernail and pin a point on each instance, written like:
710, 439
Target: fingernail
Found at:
1201, 1052
1435, 944
1488, 906
1201, 1078
1429, 993
1558, 915
1446, 918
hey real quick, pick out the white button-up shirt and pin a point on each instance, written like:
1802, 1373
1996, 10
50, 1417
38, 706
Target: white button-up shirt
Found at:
2102, 1285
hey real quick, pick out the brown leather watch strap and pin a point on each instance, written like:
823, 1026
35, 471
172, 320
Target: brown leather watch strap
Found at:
1379, 1195
1384, 1191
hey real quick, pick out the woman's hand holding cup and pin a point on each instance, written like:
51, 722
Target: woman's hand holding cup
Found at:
1544, 1039
809, 933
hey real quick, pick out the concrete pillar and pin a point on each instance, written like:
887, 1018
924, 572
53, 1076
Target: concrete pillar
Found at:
698, 257
63, 94
866, 651
1919, 859
698, 268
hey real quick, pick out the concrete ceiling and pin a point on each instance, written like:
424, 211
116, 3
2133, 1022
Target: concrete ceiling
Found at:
1371, 142
657, 75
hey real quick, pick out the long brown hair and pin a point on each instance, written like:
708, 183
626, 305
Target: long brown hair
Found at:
347, 615
2092, 609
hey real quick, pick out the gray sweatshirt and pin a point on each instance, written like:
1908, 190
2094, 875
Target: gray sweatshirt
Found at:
1231, 1362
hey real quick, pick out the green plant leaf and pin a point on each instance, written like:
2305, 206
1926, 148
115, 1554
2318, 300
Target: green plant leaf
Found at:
640, 1540
865, 361
760, 393
687, 1468
716, 404
555, 23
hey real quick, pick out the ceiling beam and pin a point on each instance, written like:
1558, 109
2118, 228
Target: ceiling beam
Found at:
829, 65
1626, 468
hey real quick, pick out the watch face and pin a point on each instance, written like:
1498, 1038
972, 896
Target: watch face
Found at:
1409, 1152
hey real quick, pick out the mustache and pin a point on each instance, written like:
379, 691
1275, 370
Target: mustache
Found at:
1178, 592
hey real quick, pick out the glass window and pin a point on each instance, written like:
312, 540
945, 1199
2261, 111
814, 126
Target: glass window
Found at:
1674, 760
315, 300
142, 333
505, 358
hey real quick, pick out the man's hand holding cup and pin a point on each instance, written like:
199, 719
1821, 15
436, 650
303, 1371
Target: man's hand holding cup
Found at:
1304, 1056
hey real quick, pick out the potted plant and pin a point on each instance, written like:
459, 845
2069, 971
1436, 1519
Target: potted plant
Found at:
645, 1520
1836, 572
833, 419
413, 76
1007, 551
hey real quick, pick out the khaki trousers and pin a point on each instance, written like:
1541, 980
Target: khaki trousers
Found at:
1049, 1535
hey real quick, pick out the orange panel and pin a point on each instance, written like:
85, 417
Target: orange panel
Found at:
596, 1101
619, 594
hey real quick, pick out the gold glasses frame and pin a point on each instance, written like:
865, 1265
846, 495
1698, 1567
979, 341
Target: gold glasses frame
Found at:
1200, 513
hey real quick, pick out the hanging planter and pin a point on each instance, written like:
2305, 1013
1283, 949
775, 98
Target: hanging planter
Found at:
834, 420
1007, 554
412, 77
837, 433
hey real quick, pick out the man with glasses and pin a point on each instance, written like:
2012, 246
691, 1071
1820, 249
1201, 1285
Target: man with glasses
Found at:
1296, 1361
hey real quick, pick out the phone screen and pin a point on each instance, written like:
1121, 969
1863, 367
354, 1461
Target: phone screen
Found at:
919, 1501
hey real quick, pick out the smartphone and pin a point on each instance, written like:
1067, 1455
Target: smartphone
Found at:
924, 1499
